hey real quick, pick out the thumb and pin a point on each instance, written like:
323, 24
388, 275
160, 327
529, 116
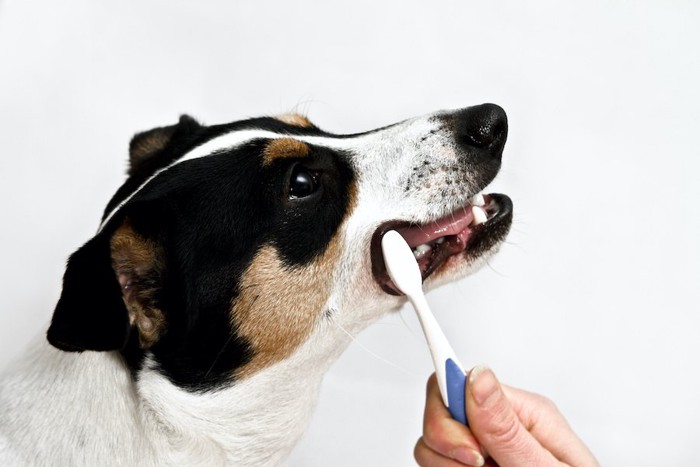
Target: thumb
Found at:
496, 425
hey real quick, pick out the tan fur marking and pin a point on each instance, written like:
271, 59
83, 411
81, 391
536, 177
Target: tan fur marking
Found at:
284, 147
136, 261
295, 119
149, 144
279, 305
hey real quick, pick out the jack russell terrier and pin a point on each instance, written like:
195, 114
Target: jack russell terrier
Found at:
196, 326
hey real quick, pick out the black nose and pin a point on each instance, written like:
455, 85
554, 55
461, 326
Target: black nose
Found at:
483, 126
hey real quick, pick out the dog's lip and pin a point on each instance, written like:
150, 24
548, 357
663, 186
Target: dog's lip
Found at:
461, 236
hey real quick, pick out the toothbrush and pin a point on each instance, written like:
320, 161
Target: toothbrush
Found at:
405, 273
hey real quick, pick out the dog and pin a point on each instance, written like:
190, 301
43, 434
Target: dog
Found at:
196, 326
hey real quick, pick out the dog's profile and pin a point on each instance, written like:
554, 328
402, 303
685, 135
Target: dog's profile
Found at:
195, 327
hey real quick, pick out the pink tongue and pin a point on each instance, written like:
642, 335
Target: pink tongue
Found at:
452, 224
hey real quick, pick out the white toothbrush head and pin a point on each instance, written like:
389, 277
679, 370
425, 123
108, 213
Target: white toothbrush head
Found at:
401, 264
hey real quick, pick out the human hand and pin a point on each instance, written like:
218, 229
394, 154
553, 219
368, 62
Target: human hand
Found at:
507, 427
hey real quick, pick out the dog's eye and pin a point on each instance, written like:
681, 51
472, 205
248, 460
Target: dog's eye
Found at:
303, 183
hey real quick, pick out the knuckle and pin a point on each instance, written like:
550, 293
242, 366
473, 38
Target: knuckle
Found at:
547, 405
506, 431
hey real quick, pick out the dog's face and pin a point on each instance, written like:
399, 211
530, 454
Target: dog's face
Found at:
230, 247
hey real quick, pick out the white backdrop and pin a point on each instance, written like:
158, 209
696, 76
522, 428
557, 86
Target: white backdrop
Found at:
594, 300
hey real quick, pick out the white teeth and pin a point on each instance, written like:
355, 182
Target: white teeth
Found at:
421, 250
479, 215
440, 240
478, 200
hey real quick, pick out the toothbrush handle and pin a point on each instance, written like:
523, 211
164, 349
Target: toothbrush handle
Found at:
450, 375
456, 381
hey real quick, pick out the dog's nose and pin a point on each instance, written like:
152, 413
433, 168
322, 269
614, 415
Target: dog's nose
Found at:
483, 126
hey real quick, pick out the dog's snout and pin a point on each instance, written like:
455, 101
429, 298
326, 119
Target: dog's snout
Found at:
483, 126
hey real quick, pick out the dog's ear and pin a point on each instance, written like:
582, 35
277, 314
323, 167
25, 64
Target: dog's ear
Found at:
146, 145
90, 314
109, 290
139, 265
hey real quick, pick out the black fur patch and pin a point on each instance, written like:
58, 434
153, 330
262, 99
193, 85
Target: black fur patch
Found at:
219, 211
210, 215
90, 314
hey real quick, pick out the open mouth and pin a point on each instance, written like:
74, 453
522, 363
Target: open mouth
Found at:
468, 231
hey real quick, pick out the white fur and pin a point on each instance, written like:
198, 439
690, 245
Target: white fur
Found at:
62, 408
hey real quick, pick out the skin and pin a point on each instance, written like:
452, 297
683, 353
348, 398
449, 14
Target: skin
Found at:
508, 427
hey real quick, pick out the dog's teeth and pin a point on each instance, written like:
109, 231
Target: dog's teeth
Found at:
478, 200
421, 250
440, 240
479, 215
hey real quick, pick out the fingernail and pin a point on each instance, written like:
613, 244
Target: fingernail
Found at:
467, 456
483, 385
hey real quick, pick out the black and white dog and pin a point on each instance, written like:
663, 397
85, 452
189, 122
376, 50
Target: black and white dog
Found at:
196, 326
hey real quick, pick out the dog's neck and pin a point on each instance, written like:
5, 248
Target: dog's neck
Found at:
94, 410
256, 421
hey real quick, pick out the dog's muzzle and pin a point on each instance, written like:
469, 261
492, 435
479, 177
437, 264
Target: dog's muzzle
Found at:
475, 227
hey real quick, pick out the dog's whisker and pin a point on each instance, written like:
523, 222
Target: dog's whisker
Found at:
249, 286
390, 185
488, 263
216, 359
302, 107
520, 231
373, 354
411, 331
458, 287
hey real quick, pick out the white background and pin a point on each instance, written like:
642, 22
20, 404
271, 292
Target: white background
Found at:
594, 300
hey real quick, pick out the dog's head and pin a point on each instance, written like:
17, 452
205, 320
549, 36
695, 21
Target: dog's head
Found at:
230, 247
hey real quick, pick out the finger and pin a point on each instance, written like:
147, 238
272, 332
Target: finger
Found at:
542, 419
426, 457
443, 434
496, 425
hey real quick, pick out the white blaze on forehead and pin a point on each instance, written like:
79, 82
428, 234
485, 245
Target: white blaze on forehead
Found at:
228, 142
375, 154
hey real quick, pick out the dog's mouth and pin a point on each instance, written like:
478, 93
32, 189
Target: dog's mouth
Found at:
469, 231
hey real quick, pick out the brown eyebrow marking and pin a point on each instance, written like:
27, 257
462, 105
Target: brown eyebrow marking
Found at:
295, 119
284, 147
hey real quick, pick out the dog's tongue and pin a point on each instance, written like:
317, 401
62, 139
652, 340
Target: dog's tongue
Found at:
452, 224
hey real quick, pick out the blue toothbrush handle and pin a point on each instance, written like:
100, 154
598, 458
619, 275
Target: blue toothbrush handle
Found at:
456, 383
